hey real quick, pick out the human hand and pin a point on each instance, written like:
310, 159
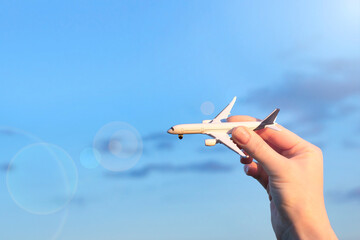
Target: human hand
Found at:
291, 170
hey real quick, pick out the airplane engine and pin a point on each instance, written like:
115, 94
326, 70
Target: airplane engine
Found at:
206, 121
210, 142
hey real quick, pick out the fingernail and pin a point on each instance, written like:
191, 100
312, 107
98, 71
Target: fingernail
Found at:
246, 168
241, 136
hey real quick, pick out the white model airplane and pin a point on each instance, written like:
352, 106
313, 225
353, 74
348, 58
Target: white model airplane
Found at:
220, 130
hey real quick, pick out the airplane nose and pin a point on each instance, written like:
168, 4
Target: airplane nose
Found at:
171, 130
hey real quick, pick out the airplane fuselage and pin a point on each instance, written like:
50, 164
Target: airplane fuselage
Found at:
219, 129
204, 128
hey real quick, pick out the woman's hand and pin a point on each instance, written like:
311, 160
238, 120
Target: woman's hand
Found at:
291, 170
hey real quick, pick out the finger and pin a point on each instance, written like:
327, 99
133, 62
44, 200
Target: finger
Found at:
282, 140
257, 148
241, 118
256, 171
246, 160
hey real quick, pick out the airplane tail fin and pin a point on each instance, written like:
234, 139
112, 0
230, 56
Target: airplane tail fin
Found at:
269, 121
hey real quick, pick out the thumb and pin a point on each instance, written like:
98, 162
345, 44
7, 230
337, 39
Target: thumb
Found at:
257, 148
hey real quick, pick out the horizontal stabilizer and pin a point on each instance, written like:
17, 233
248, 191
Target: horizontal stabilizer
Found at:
269, 121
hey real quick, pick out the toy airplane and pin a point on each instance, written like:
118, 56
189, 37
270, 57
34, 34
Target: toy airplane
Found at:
220, 130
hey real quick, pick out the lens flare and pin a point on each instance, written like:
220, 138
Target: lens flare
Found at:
43, 179
119, 146
89, 158
207, 108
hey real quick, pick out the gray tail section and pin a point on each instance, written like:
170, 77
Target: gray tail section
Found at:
269, 120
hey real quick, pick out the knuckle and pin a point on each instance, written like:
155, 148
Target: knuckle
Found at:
317, 150
312, 152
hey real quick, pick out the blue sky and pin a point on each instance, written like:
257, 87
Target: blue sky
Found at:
69, 68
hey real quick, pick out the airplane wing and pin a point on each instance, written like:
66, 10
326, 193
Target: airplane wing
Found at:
224, 138
224, 113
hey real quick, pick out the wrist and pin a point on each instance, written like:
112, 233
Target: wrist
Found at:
314, 225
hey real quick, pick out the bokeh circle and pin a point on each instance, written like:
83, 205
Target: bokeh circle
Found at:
41, 178
89, 158
207, 108
119, 146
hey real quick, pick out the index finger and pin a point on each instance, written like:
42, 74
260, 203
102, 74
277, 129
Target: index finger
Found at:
242, 118
283, 140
